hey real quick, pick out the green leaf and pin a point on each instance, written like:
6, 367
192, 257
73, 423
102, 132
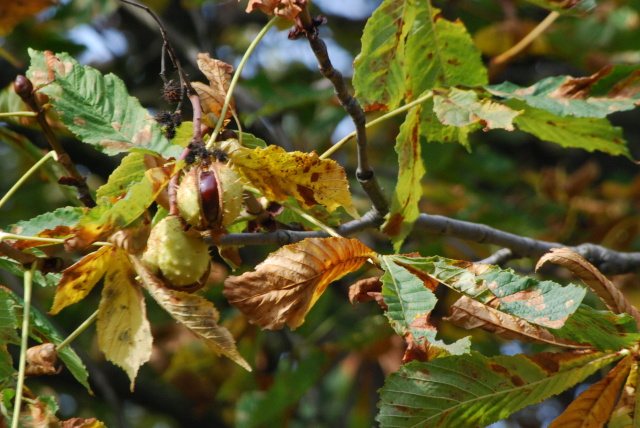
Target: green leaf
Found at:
251, 141
434, 131
99, 109
576, 132
42, 330
292, 380
15, 268
597, 96
105, 219
440, 53
409, 305
604, 330
473, 390
66, 216
130, 172
458, 107
8, 321
379, 75
544, 303
6, 368
408, 48
404, 204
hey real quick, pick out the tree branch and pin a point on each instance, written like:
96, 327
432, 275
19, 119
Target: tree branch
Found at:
365, 175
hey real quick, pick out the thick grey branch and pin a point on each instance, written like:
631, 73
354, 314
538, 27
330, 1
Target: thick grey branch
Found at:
608, 261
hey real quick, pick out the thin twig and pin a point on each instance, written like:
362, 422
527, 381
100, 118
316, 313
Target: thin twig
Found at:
24, 88
82, 327
364, 172
500, 60
24, 343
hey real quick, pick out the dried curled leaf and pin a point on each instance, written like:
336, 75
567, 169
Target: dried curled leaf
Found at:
469, 314
594, 406
41, 360
365, 290
196, 313
591, 276
279, 174
285, 286
287, 9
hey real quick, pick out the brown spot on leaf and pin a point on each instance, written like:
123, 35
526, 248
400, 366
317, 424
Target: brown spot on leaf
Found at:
394, 225
498, 369
547, 361
307, 195
79, 121
517, 380
315, 177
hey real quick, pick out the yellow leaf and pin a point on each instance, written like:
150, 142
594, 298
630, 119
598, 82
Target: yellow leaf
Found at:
13, 12
124, 333
196, 313
591, 276
78, 279
285, 286
594, 406
469, 314
304, 176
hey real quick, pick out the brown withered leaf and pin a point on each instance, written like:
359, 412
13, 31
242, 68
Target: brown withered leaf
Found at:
579, 87
196, 313
603, 288
469, 314
286, 9
41, 360
78, 280
285, 286
365, 290
212, 97
594, 406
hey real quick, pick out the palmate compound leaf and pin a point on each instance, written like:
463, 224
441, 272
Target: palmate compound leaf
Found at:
196, 313
284, 287
124, 333
474, 390
409, 303
594, 407
104, 220
605, 289
545, 303
278, 174
97, 108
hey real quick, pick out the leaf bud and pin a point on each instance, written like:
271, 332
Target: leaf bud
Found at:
23, 86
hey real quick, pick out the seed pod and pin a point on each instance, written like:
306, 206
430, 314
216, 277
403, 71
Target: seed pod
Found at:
181, 257
210, 197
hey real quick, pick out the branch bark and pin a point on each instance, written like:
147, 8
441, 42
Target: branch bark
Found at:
364, 173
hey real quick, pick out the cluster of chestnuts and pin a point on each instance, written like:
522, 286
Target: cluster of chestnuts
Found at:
209, 198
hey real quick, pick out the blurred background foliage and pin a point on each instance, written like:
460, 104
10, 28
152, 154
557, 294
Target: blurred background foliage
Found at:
326, 373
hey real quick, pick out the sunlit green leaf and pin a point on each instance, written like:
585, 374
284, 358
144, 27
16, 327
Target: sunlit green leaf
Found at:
99, 109
473, 390
404, 204
458, 107
130, 172
576, 132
